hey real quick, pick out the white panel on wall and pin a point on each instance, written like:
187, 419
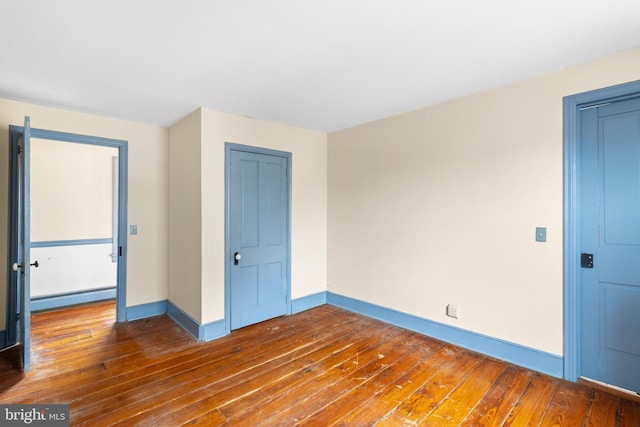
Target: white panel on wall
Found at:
71, 269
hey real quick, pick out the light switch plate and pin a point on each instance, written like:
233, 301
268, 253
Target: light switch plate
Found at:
452, 310
541, 234
133, 230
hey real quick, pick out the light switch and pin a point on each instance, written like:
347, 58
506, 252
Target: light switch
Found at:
541, 234
133, 230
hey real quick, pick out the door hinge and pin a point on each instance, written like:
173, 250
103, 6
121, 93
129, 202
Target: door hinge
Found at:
586, 260
20, 148
119, 250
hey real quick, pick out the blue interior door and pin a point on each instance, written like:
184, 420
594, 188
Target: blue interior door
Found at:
258, 237
22, 265
610, 229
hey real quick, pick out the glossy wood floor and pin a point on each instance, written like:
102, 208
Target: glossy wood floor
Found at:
322, 367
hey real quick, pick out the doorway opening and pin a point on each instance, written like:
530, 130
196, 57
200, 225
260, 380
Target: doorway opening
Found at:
66, 253
74, 223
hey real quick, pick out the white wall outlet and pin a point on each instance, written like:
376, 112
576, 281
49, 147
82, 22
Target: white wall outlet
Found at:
452, 311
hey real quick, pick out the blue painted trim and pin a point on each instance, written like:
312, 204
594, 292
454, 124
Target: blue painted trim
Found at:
25, 285
513, 353
3, 340
77, 138
149, 309
310, 301
228, 147
76, 242
212, 330
122, 146
571, 237
206, 332
571, 217
227, 249
184, 320
123, 192
47, 303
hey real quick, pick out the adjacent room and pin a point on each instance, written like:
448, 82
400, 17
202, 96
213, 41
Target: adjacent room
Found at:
73, 223
321, 213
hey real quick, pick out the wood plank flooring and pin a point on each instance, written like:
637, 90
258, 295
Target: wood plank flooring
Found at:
322, 367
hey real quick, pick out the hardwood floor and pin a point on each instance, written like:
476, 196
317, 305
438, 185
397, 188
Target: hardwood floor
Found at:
325, 366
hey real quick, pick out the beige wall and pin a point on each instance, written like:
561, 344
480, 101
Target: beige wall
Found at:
148, 191
185, 213
309, 199
440, 206
71, 190
195, 181
428, 208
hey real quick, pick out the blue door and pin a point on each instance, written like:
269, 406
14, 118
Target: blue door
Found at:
609, 294
19, 300
258, 237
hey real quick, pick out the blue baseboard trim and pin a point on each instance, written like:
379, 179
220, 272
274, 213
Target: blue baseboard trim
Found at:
310, 301
184, 320
200, 332
211, 331
536, 360
527, 357
141, 311
48, 303
206, 332
217, 329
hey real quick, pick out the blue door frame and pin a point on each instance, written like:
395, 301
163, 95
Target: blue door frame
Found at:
14, 132
228, 252
571, 222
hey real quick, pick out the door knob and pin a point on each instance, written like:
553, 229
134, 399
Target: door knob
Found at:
16, 266
236, 258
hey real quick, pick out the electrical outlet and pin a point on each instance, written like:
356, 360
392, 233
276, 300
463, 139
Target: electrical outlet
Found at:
452, 310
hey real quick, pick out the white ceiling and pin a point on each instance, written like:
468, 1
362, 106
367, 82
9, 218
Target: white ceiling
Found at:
317, 64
